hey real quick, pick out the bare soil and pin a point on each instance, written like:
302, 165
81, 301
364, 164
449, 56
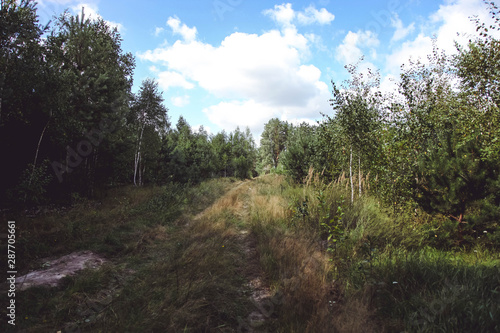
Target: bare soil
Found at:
55, 269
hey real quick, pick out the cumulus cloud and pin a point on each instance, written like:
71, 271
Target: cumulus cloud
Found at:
188, 34
169, 79
281, 14
355, 44
257, 76
249, 113
92, 11
450, 23
401, 31
180, 101
312, 15
285, 15
415, 49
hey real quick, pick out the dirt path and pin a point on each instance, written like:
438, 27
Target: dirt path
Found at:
226, 223
237, 200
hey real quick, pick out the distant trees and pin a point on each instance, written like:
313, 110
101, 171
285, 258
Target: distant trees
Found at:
303, 151
273, 142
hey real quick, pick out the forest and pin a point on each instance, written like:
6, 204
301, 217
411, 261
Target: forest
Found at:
383, 216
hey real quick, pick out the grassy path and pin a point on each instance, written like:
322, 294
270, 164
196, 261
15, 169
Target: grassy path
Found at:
179, 260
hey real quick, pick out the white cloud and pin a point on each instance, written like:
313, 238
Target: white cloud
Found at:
158, 31
312, 15
173, 79
91, 11
450, 23
284, 15
351, 48
401, 32
256, 76
418, 48
180, 101
249, 113
188, 34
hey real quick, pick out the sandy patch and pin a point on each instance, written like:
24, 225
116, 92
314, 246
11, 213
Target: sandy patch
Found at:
67, 265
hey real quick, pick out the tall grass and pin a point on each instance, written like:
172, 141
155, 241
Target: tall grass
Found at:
380, 272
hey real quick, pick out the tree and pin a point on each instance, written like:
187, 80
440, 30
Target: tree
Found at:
222, 152
242, 153
150, 115
478, 68
302, 151
23, 120
273, 141
94, 79
356, 108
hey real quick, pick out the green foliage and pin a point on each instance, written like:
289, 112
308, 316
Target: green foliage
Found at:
332, 225
272, 143
32, 187
302, 152
148, 117
195, 156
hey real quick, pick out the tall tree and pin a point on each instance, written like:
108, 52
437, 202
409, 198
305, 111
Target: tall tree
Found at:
302, 151
222, 152
273, 141
23, 119
95, 82
150, 115
357, 110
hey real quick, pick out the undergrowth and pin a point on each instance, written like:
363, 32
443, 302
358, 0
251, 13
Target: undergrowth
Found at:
358, 267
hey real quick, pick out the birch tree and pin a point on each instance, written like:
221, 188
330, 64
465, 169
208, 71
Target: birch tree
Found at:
357, 106
148, 113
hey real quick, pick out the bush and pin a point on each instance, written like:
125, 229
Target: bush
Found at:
33, 185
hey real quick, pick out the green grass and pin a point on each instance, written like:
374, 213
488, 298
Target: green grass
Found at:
385, 271
161, 276
171, 272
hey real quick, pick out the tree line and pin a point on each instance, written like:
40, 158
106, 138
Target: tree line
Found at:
70, 124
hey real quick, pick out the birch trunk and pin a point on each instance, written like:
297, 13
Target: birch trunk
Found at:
36, 153
350, 177
359, 176
138, 158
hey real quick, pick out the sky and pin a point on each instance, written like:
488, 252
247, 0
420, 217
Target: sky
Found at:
228, 63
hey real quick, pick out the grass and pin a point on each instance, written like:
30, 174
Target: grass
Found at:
380, 273
162, 274
181, 258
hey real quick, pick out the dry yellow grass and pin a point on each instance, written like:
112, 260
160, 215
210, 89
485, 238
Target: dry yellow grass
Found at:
269, 208
231, 203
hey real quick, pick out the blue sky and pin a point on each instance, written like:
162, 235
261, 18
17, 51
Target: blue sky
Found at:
228, 63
